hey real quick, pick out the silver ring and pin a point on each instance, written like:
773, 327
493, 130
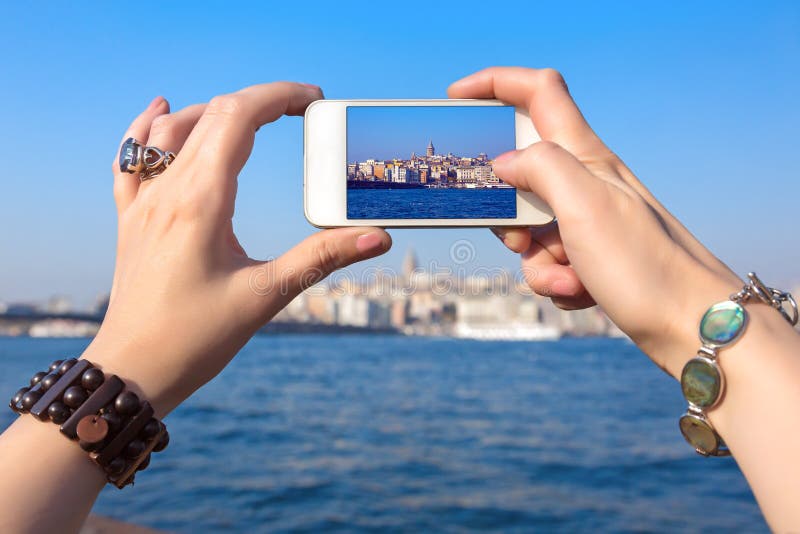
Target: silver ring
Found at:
148, 161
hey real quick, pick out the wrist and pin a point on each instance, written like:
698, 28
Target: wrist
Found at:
680, 340
141, 372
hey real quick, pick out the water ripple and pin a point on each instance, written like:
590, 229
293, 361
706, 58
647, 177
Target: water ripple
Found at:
392, 434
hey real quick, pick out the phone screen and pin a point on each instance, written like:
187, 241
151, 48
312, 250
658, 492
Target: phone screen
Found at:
428, 162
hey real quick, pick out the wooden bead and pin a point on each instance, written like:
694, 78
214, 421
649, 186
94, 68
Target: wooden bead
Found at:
163, 442
66, 365
113, 419
116, 466
72, 376
151, 429
129, 431
92, 429
98, 399
143, 465
127, 403
48, 381
19, 394
92, 378
58, 412
74, 396
29, 399
55, 365
37, 377
134, 449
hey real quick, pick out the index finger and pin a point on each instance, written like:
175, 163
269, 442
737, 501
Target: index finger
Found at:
223, 137
544, 94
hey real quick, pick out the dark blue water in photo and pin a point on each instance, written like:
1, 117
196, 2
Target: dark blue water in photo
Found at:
431, 203
395, 434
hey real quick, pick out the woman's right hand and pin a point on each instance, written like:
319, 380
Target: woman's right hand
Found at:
613, 243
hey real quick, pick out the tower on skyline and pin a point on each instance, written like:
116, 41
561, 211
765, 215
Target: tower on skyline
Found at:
409, 264
430, 151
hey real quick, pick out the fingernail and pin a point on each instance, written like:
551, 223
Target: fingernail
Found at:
563, 287
506, 157
155, 103
369, 242
311, 86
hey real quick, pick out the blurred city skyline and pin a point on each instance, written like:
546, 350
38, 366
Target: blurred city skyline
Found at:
385, 133
700, 100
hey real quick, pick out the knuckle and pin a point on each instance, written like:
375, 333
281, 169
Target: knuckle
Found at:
544, 150
230, 105
552, 78
146, 198
120, 191
530, 276
163, 124
283, 86
192, 204
327, 254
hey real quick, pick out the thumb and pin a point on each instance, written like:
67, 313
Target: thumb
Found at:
277, 282
320, 254
552, 173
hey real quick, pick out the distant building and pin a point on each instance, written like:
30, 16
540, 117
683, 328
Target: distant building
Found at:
58, 304
357, 310
430, 151
399, 175
482, 174
409, 264
366, 169
379, 170
399, 313
465, 175
424, 174
493, 179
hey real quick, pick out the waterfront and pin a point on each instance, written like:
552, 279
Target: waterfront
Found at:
391, 433
426, 203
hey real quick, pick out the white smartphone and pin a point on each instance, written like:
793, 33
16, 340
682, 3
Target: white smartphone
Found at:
414, 163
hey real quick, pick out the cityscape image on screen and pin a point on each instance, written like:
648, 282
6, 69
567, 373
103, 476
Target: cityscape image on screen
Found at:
428, 162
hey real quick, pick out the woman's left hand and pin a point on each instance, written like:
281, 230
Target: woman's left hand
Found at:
186, 297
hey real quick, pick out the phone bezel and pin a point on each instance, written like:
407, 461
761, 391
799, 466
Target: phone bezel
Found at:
325, 161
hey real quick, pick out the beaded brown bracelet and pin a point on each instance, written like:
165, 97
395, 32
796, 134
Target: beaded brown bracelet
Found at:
109, 422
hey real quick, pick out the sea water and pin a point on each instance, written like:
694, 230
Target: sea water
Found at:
308, 433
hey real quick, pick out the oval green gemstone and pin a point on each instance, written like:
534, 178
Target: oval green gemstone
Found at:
698, 434
722, 323
700, 382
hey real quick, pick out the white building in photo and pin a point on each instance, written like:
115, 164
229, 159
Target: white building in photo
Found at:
465, 175
483, 174
399, 174
359, 310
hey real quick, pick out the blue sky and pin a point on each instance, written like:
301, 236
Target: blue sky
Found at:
699, 98
395, 132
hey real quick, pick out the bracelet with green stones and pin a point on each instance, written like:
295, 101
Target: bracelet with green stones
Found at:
702, 379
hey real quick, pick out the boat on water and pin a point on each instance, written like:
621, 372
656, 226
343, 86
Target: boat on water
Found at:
509, 332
